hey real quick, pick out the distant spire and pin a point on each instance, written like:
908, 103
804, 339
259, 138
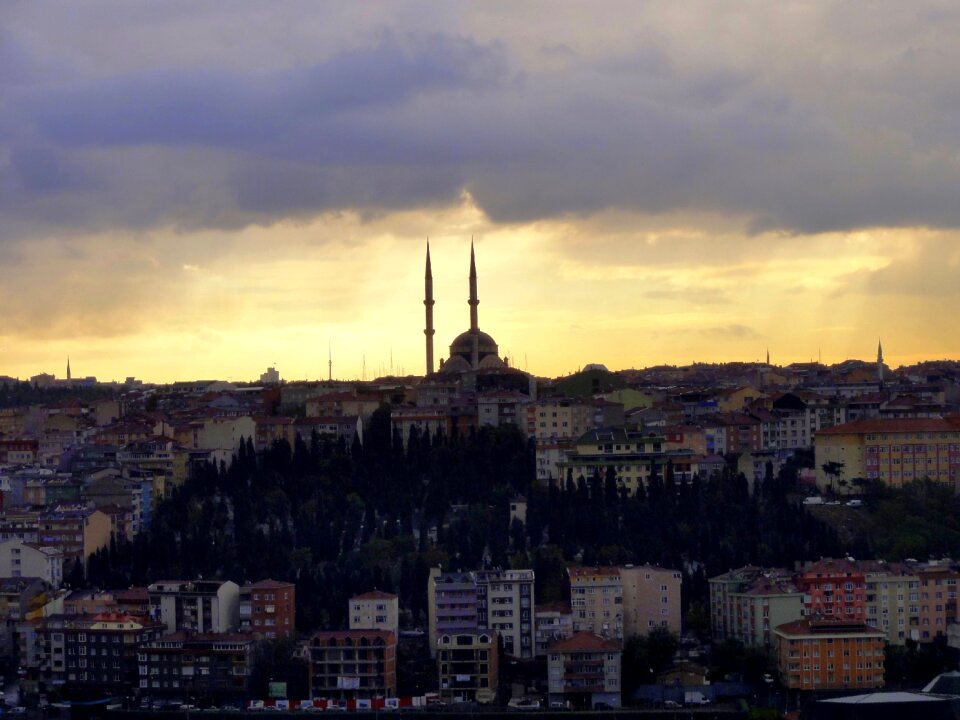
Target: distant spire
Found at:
473, 302
69, 377
879, 361
428, 304
329, 361
768, 356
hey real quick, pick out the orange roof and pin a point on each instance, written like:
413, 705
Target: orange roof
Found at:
831, 567
583, 641
894, 425
818, 625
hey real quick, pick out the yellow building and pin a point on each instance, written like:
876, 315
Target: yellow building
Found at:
895, 451
736, 399
634, 456
631, 398
557, 419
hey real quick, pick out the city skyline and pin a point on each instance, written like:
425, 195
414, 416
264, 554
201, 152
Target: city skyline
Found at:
206, 194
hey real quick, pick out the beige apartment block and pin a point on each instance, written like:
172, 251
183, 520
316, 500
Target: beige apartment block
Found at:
651, 599
467, 666
583, 672
375, 610
893, 600
596, 601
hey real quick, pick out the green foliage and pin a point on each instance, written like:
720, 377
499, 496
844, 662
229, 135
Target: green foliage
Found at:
914, 664
276, 660
918, 520
646, 657
23, 394
337, 519
697, 620
588, 383
731, 659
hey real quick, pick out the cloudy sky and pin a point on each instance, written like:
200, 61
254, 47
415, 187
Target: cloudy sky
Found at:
201, 189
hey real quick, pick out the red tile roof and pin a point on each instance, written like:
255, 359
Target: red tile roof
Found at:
894, 425
268, 584
583, 641
823, 626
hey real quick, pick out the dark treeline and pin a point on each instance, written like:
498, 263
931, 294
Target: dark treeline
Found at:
340, 518
23, 393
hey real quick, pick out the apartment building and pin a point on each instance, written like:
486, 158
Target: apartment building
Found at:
375, 610
500, 600
651, 599
829, 654
78, 530
584, 671
634, 456
505, 603
557, 419
268, 608
895, 451
552, 622
20, 559
893, 599
100, 651
18, 595
938, 598
748, 603
467, 667
203, 666
596, 601
834, 588
451, 605
353, 663
200, 606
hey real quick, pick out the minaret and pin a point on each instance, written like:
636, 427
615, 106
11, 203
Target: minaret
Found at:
329, 362
428, 304
879, 361
68, 368
474, 301
768, 356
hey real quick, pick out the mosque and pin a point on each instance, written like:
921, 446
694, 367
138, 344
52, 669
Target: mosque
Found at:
474, 355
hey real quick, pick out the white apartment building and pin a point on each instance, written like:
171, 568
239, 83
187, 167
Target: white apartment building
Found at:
505, 603
201, 606
20, 559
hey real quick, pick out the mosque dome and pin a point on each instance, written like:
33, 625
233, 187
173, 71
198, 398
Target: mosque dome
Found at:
462, 346
455, 364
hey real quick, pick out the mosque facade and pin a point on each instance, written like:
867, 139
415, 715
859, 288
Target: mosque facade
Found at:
474, 361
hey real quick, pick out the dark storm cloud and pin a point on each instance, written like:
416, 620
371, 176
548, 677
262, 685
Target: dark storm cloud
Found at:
411, 119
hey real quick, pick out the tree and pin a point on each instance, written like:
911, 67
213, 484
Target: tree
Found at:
834, 471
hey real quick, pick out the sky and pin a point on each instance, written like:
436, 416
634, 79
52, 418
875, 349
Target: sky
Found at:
203, 189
